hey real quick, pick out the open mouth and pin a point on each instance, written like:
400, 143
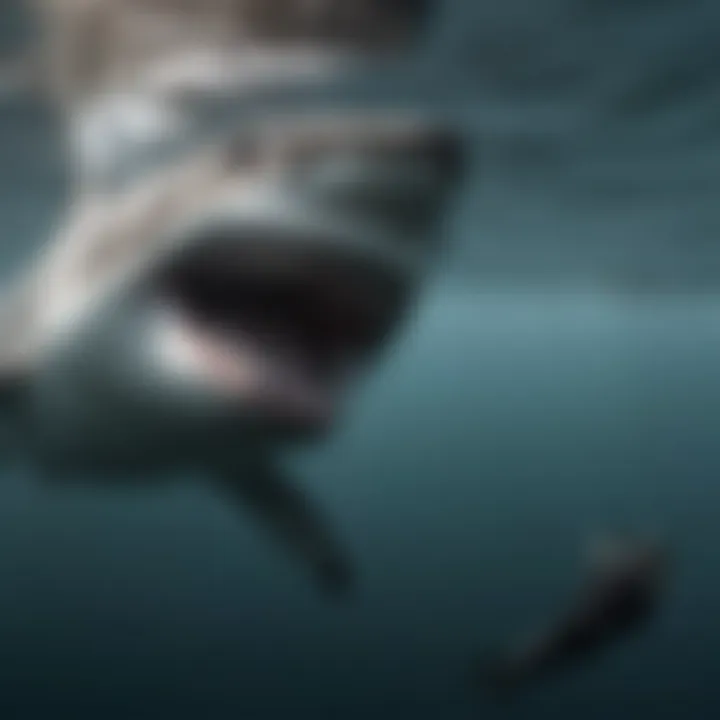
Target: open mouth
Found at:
283, 331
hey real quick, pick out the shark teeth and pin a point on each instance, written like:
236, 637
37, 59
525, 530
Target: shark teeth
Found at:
239, 366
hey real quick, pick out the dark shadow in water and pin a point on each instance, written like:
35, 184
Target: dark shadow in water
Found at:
619, 597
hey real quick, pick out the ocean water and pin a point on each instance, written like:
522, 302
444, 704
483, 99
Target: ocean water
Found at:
560, 378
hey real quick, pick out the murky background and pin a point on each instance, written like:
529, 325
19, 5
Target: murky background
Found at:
561, 377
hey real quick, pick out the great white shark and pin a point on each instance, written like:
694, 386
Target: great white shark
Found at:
227, 305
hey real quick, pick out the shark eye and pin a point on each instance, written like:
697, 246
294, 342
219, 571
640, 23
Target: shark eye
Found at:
305, 153
242, 152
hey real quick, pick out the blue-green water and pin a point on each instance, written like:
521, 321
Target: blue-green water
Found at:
500, 432
509, 423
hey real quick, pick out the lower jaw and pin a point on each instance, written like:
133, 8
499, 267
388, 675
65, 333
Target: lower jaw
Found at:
280, 406
268, 391
286, 412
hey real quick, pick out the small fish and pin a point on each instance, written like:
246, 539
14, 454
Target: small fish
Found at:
626, 580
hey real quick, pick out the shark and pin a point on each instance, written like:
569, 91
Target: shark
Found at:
228, 305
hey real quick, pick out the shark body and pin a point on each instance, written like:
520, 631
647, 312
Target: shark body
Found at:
213, 294
227, 305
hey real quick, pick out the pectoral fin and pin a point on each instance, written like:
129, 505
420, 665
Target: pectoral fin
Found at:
288, 513
17, 324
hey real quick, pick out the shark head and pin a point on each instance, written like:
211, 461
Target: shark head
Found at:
245, 291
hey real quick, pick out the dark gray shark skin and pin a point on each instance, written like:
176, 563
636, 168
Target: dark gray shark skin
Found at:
620, 597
